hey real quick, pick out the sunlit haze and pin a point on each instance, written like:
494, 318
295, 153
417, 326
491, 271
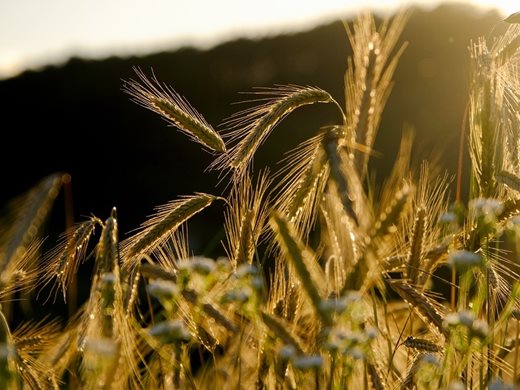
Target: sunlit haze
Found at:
35, 33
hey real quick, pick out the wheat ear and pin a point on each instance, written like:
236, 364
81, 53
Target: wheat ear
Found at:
107, 292
302, 182
245, 219
421, 345
415, 255
488, 114
342, 241
102, 325
112, 325
163, 100
409, 380
101, 339
375, 378
368, 78
113, 316
211, 310
155, 271
509, 179
21, 274
30, 339
280, 328
107, 277
253, 126
63, 261
388, 218
107, 251
421, 304
339, 163
285, 298
506, 46
30, 216
168, 218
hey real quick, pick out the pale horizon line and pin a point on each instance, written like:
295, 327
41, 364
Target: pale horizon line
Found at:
62, 56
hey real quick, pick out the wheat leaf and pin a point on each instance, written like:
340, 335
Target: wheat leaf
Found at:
311, 276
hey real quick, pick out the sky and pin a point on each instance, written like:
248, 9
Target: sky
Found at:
35, 33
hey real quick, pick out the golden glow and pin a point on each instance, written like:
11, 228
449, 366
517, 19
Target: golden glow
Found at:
507, 7
34, 32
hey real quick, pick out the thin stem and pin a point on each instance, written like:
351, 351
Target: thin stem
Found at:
332, 369
515, 364
453, 288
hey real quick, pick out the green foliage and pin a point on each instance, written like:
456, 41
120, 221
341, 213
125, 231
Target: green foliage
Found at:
329, 282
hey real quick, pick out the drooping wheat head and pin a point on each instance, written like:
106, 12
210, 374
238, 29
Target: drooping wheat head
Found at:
163, 100
250, 128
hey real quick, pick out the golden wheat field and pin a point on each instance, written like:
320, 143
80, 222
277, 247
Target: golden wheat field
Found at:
331, 281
